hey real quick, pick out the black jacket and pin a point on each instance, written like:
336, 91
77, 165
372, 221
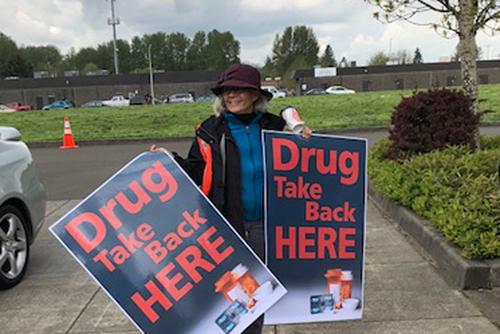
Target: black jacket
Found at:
225, 191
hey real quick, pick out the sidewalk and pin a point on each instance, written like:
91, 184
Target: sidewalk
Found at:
403, 293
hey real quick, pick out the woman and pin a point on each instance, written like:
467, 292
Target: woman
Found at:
226, 159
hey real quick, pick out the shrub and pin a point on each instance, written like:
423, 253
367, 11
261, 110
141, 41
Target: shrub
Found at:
455, 189
430, 120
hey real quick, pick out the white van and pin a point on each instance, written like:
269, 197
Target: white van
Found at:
276, 93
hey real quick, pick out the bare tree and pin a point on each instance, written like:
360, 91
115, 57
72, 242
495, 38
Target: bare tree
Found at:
462, 18
402, 57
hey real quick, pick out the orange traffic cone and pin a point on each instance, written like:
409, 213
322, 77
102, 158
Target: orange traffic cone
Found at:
68, 141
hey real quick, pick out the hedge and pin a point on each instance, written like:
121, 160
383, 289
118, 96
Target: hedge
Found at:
455, 189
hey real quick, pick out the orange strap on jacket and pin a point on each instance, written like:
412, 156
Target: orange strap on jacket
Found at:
206, 153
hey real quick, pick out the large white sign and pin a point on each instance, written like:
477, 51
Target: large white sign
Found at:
325, 72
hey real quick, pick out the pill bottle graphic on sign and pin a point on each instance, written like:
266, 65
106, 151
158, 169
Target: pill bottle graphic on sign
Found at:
334, 281
346, 285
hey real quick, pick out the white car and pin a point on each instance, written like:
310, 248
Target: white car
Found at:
117, 101
276, 93
5, 109
339, 90
22, 207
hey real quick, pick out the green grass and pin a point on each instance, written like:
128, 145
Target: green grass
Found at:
319, 112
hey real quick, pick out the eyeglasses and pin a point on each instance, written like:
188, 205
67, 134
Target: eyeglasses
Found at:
233, 90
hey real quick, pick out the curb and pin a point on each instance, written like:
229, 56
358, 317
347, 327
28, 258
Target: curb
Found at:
349, 130
182, 138
456, 271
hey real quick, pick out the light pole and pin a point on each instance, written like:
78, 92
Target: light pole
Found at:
114, 21
151, 75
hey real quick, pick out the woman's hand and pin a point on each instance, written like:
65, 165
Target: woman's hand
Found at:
153, 148
306, 132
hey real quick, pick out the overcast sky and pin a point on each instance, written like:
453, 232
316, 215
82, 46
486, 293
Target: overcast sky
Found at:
347, 25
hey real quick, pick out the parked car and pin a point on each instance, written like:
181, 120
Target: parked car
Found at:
276, 93
58, 105
93, 104
138, 100
22, 207
180, 98
18, 106
117, 101
316, 91
204, 98
339, 90
4, 109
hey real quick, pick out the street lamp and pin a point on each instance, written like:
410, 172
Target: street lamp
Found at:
151, 75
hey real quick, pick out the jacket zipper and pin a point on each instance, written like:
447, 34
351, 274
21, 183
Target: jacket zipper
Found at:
254, 192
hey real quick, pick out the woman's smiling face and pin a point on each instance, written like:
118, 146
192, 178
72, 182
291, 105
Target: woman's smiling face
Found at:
240, 100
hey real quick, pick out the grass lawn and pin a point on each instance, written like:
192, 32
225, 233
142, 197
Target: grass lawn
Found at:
319, 112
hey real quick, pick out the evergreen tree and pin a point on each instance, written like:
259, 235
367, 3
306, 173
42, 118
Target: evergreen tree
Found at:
222, 50
417, 58
297, 42
328, 58
179, 44
196, 53
17, 66
8, 49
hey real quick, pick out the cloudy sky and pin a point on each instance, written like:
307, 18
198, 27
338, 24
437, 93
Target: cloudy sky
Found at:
347, 25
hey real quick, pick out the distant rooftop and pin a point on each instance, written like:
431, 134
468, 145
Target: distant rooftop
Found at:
425, 67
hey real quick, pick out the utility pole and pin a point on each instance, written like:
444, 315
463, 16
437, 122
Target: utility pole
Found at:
151, 75
114, 22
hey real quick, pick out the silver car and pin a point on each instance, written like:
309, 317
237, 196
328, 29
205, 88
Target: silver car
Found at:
180, 98
22, 207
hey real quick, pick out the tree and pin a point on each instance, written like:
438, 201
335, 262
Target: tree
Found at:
138, 54
401, 57
328, 59
462, 18
17, 66
196, 53
297, 42
104, 58
43, 58
417, 58
298, 64
269, 70
179, 44
83, 57
222, 50
8, 49
380, 58
90, 67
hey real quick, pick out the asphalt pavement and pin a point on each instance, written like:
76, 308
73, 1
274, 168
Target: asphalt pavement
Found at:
404, 293
70, 174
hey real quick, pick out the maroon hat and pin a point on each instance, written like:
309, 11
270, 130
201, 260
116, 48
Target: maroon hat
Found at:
240, 76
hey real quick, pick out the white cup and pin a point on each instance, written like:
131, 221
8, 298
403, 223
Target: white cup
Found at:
292, 119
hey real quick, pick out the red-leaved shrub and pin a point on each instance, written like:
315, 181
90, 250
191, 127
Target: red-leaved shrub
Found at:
431, 120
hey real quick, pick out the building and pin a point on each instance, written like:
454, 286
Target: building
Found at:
393, 77
80, 89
